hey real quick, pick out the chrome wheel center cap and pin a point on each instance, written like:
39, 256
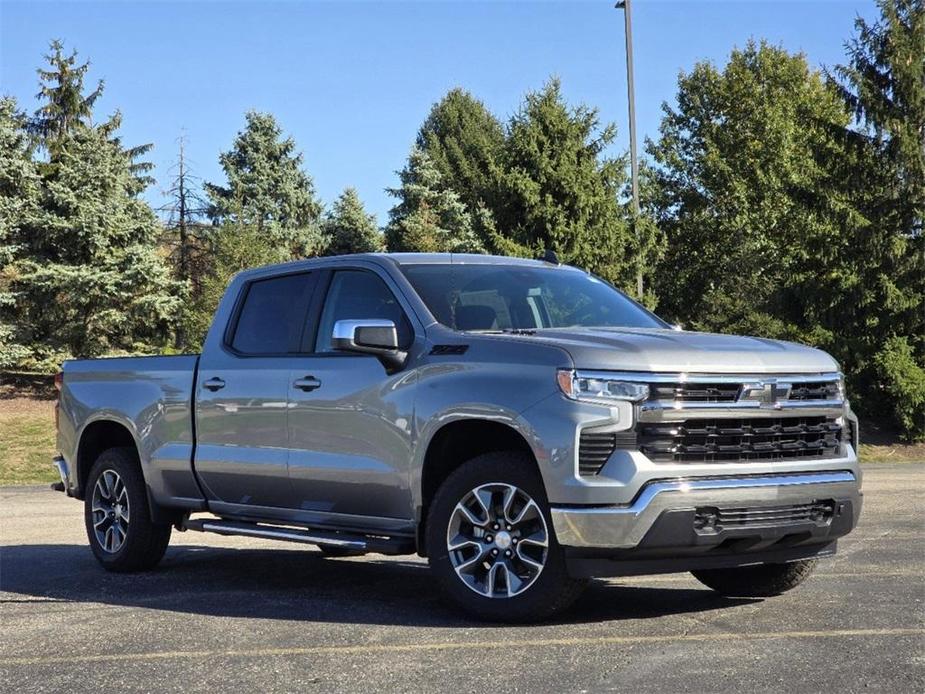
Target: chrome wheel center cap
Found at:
502, 539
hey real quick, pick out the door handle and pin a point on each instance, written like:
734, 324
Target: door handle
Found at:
308, 383
214, 384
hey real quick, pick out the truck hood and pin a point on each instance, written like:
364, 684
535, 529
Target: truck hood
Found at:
641, 349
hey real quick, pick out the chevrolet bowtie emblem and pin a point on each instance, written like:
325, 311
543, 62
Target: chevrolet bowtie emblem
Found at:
768, 393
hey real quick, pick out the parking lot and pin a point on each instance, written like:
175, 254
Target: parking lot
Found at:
231, 613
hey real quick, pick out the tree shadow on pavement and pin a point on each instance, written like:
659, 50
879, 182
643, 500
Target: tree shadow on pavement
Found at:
297, 585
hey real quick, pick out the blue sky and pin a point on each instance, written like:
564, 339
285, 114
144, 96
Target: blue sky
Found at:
352, 81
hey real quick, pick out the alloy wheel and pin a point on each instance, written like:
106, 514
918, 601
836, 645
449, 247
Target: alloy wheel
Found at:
110, 511
497, 540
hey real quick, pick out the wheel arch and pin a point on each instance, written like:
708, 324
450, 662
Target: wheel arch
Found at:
98, 436
456, 442
102, 434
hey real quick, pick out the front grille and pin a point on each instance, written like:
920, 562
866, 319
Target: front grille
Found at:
709, 519
595, 448
815, 390
729, 391
746, 439
694, 392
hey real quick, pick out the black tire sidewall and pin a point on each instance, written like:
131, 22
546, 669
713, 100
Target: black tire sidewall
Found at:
758, 581
553, 590
145, 542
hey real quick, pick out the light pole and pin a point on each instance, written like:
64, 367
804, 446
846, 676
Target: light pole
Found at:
634, 165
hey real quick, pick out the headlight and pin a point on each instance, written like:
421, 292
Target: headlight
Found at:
598, 387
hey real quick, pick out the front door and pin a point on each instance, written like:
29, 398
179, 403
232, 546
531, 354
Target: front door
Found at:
349, 420
241, 399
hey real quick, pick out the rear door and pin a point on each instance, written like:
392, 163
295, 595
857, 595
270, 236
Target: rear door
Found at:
242, 391
350, 420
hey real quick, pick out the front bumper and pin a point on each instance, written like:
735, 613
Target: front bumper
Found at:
668, 516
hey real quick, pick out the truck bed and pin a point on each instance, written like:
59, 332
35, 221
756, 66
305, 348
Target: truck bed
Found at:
152, 397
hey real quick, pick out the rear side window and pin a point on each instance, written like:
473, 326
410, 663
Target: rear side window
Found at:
360, 294
273, 314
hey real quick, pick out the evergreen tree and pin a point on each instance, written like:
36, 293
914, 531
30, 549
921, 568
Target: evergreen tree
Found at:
348, 229
89, 278
560, 191
61, 87
883, 171
884, 86
267, 183
19, 199
92, 280
465, 142
428, 217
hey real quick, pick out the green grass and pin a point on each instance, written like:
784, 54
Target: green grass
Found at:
892, 453
27, 443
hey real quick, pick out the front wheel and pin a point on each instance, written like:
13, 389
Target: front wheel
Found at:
491, 544
118, 519
760, 581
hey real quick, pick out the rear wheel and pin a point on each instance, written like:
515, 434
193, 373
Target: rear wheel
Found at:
491, 544
118, 517
761, 581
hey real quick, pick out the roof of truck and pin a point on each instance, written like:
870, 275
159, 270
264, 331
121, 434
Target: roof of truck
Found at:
399, 259
457, 259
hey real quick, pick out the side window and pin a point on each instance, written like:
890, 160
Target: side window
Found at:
360, 294
273, 314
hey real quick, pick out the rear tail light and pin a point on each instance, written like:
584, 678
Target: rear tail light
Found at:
59, 381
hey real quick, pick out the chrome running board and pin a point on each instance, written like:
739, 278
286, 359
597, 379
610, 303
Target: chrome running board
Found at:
347, 541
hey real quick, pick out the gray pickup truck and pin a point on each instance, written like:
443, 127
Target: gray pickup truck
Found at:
520, 423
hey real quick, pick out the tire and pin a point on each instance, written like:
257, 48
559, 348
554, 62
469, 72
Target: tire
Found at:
337, 552
761, 581
522, 592
134, 542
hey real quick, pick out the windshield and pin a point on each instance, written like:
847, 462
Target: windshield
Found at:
515, 297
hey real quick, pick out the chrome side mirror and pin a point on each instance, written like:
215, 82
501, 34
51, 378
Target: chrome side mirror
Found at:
376, 336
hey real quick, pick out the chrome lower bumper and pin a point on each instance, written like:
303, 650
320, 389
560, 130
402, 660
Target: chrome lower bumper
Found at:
624, 527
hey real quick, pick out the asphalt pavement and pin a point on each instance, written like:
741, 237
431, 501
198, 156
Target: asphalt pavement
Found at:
234, 614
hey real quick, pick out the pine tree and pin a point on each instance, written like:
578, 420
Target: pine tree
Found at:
19, 199
883, 171
348, 229
428, 217
92, 280
465, 142
61, 87
560, 191
267, 183
89, 278
884, 86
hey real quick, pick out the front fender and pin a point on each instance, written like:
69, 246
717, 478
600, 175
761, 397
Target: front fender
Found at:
497, 392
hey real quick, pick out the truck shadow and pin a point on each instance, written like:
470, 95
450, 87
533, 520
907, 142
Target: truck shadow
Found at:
297, 585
